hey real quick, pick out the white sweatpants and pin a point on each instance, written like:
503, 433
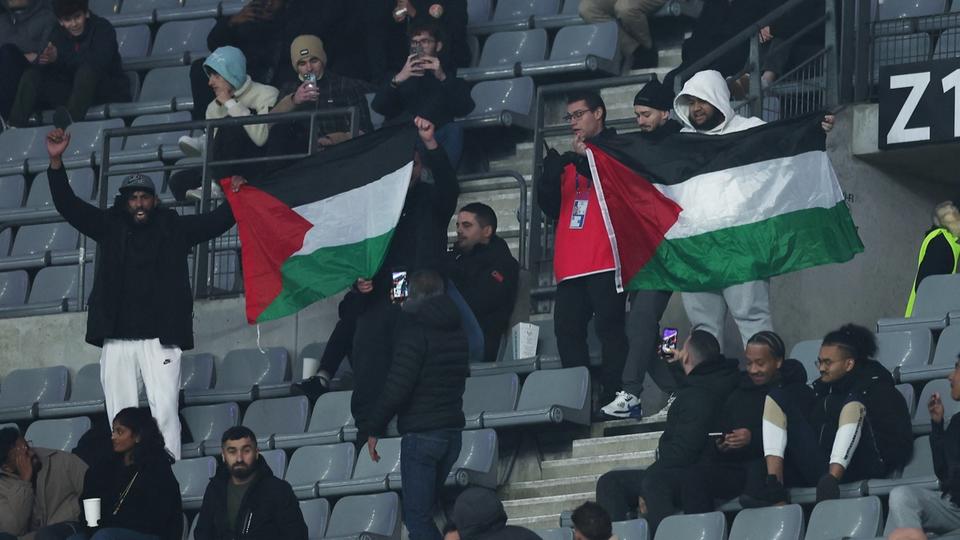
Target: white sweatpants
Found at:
749, 304
124, 363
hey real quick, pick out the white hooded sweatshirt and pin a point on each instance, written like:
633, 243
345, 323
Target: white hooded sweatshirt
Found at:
710, 86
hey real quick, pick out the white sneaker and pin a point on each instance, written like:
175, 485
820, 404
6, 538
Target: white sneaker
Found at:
195, 194
666, 408
192, 146
625, 405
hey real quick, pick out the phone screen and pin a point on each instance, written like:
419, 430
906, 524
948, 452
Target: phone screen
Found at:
668, 341
400, 288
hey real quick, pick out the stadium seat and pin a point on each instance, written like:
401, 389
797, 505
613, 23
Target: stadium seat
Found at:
711, 526
918, 471
773, 523
276, 460
503, 51
154, 146
377, 515
23, 389
13, 288
62, 434
311, 466
904, 350
281, 415
898, 9
193, 475
316, 514
906, 49
86, 396
5, 240
165, 89
501, 103
634, 529
103, 7
944, 358
546, 349
133, 42
86, 140
37, 239
206, 424
808, 495
242, 375
806, 352
846, 518
559, 533
180, 42
478, 11
921, 418
331, 415
81, 180
584, 48
909, 395
196, 371
55, 288
492, 393
569, 15
477, 464
549, 396
12, 189
18, 145
948, 45
368, 476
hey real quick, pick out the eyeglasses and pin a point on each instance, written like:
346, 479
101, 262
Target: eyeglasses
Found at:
825, 362
422, 41
576, 115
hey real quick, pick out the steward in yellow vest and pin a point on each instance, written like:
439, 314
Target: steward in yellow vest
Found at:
940, 249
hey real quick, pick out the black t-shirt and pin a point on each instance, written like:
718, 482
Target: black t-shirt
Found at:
138, 300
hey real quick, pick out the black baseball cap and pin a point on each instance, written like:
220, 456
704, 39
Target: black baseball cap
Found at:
138, 182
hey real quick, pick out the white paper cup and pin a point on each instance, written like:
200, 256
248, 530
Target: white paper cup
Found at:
91, 509
310, 367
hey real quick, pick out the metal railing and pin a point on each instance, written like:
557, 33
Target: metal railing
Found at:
522, 209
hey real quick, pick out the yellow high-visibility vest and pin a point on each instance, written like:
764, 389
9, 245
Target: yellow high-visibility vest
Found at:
954, 246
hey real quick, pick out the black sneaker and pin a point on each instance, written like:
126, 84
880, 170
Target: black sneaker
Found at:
772, 493
828, 488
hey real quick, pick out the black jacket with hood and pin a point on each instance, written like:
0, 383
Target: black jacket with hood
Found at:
437, 101
96, 47
27, 29
269, 509
430, 366
168, 238
479, 515
945, 449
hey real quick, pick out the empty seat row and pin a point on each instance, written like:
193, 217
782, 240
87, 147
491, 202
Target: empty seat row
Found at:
914, 47
484, 17
176, 43
59, 434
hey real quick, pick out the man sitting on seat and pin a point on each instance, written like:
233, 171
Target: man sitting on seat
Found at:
245, 499
591, 522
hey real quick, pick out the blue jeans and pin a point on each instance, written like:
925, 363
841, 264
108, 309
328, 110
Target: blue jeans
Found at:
425, 461
468, 323
111, 533
450, 137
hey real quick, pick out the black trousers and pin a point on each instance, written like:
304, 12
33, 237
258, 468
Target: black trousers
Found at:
229, 143
44, 86
618, 492
12, 66
705, 483
578, 301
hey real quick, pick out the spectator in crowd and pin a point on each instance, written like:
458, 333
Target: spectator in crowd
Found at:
479, 515
940, 249
920, 509
708, 379
485, 272
317, 89
583, 260
25, 28
39, 490
591, 522
139, 495
235, 95
633, 24
428, 87
424, 389
779, 56
651, 106
859, 426
80, 67
736, 457
139, 328
245, 498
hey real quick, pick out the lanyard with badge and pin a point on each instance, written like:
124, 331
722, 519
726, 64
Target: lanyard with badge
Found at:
581, 202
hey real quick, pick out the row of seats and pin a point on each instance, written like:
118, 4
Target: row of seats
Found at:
483, 17
914, 47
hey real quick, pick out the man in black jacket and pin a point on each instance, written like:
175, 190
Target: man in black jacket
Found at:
25, 27
707, 378
244, 499
736, 456
920, 509
424, 389
80, 67
485, 272
141, 306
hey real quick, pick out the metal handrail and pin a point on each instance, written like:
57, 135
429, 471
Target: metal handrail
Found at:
521, 211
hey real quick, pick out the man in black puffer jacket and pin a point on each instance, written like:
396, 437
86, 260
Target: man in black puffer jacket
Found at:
244, 500
735, 457
424, 389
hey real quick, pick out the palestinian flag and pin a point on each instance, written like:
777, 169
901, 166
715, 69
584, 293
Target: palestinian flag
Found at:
311, 229
699, 212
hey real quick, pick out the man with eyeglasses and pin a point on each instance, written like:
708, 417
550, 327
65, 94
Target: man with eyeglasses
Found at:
39, 490
583, 259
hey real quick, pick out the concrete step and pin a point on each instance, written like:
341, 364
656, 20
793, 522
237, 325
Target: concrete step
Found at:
562, 468
550, 521
627, 426
605, 446
546, 488
541, 506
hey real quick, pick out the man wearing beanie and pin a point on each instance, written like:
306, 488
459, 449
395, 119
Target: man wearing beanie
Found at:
479, 515
317, 89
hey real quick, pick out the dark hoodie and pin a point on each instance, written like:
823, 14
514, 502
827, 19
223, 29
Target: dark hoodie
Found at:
96, 47
29, 28
430, 365
479, 515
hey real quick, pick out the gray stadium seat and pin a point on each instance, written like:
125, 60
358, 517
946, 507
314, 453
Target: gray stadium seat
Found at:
331, 415
773, 523
893, 50
196, 371
478, 11
711, 526
86, 139
492, 393
56, 287
936, 297
546, 350
904, 350
944, 358
909, 395
918, 471
588, 47
103, 7
86, 396
921, 418
133, 41
141, 6
634, 529
478, 460
549, 396
559, 533
378, 515
149, 146
281, 415
12, 189
311, 465
23, 388
179, 37
81, 180
523, 9
569, 15
243, 373
193, 475
846, 518
948, 45
164, 89
898, 9
207, 424
62, 434
37, 239
316, 514
276, 460
807, 352
18, 145
503, 50
501, 103
369, 476
13, 288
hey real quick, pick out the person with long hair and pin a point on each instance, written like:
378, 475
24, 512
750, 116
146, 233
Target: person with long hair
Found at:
139, 495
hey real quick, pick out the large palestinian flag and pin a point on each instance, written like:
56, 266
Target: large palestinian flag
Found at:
311, 229
698, 212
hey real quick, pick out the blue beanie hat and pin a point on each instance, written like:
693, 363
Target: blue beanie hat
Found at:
229, 63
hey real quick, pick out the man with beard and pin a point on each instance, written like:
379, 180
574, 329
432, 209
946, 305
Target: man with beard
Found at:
244, 499
141, 307
39, 490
